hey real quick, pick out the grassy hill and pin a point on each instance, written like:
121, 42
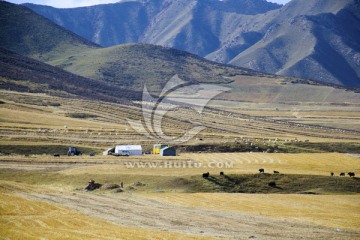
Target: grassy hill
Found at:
233, 183
30, 34
131, 65
18, 73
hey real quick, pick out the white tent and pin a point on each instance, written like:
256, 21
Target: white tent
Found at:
131, 150
106, 152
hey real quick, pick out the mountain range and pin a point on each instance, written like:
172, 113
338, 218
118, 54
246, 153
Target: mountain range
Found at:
313, 39
54, 60
37, 55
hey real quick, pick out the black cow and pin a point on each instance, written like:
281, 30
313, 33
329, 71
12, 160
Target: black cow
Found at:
221, 173
332, 174
342, 174
276, 172
272, 184
56, 154
92, 185
206, 175
351, 174
261, 170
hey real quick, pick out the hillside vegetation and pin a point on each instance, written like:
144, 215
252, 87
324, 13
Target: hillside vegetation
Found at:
130, 66
27, 33
258, 183
18, 73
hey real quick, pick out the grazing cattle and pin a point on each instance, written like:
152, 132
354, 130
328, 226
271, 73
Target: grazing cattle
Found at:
221, 173
276, 172
332, 174
261, 170
342, 174
206, 175
92, 154
92, 185
272, 184
56, 154
351, 174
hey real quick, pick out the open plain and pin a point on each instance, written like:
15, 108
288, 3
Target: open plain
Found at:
167, 197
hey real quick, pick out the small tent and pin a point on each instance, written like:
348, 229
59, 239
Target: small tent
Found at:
157, 148
129, 150
108, 151
168, 151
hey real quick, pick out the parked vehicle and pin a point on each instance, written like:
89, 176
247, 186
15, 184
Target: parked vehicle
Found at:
73, 151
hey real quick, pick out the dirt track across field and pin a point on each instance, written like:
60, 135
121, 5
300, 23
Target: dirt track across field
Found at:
137, 211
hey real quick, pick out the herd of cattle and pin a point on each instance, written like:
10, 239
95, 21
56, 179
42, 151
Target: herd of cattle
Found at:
342, 174
262, 170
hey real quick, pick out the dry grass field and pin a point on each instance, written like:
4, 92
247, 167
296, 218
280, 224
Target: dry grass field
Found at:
39, 119
232, 163
43, 196
305, 208
22, 218
43, 193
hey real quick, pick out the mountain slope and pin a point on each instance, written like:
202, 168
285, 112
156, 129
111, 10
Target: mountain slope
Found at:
130, 21
131, 65
27, 33
107, 24
304, 39
320, 47
201, 27
24, 74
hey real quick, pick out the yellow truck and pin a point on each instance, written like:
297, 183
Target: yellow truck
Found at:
158, 147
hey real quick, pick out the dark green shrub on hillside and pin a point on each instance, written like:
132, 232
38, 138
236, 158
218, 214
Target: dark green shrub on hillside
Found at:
81, 115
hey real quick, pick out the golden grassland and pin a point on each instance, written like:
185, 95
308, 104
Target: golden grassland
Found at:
26, 218
27, 120
232, 163
303, 114
26, 117
336, 211
22, 218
